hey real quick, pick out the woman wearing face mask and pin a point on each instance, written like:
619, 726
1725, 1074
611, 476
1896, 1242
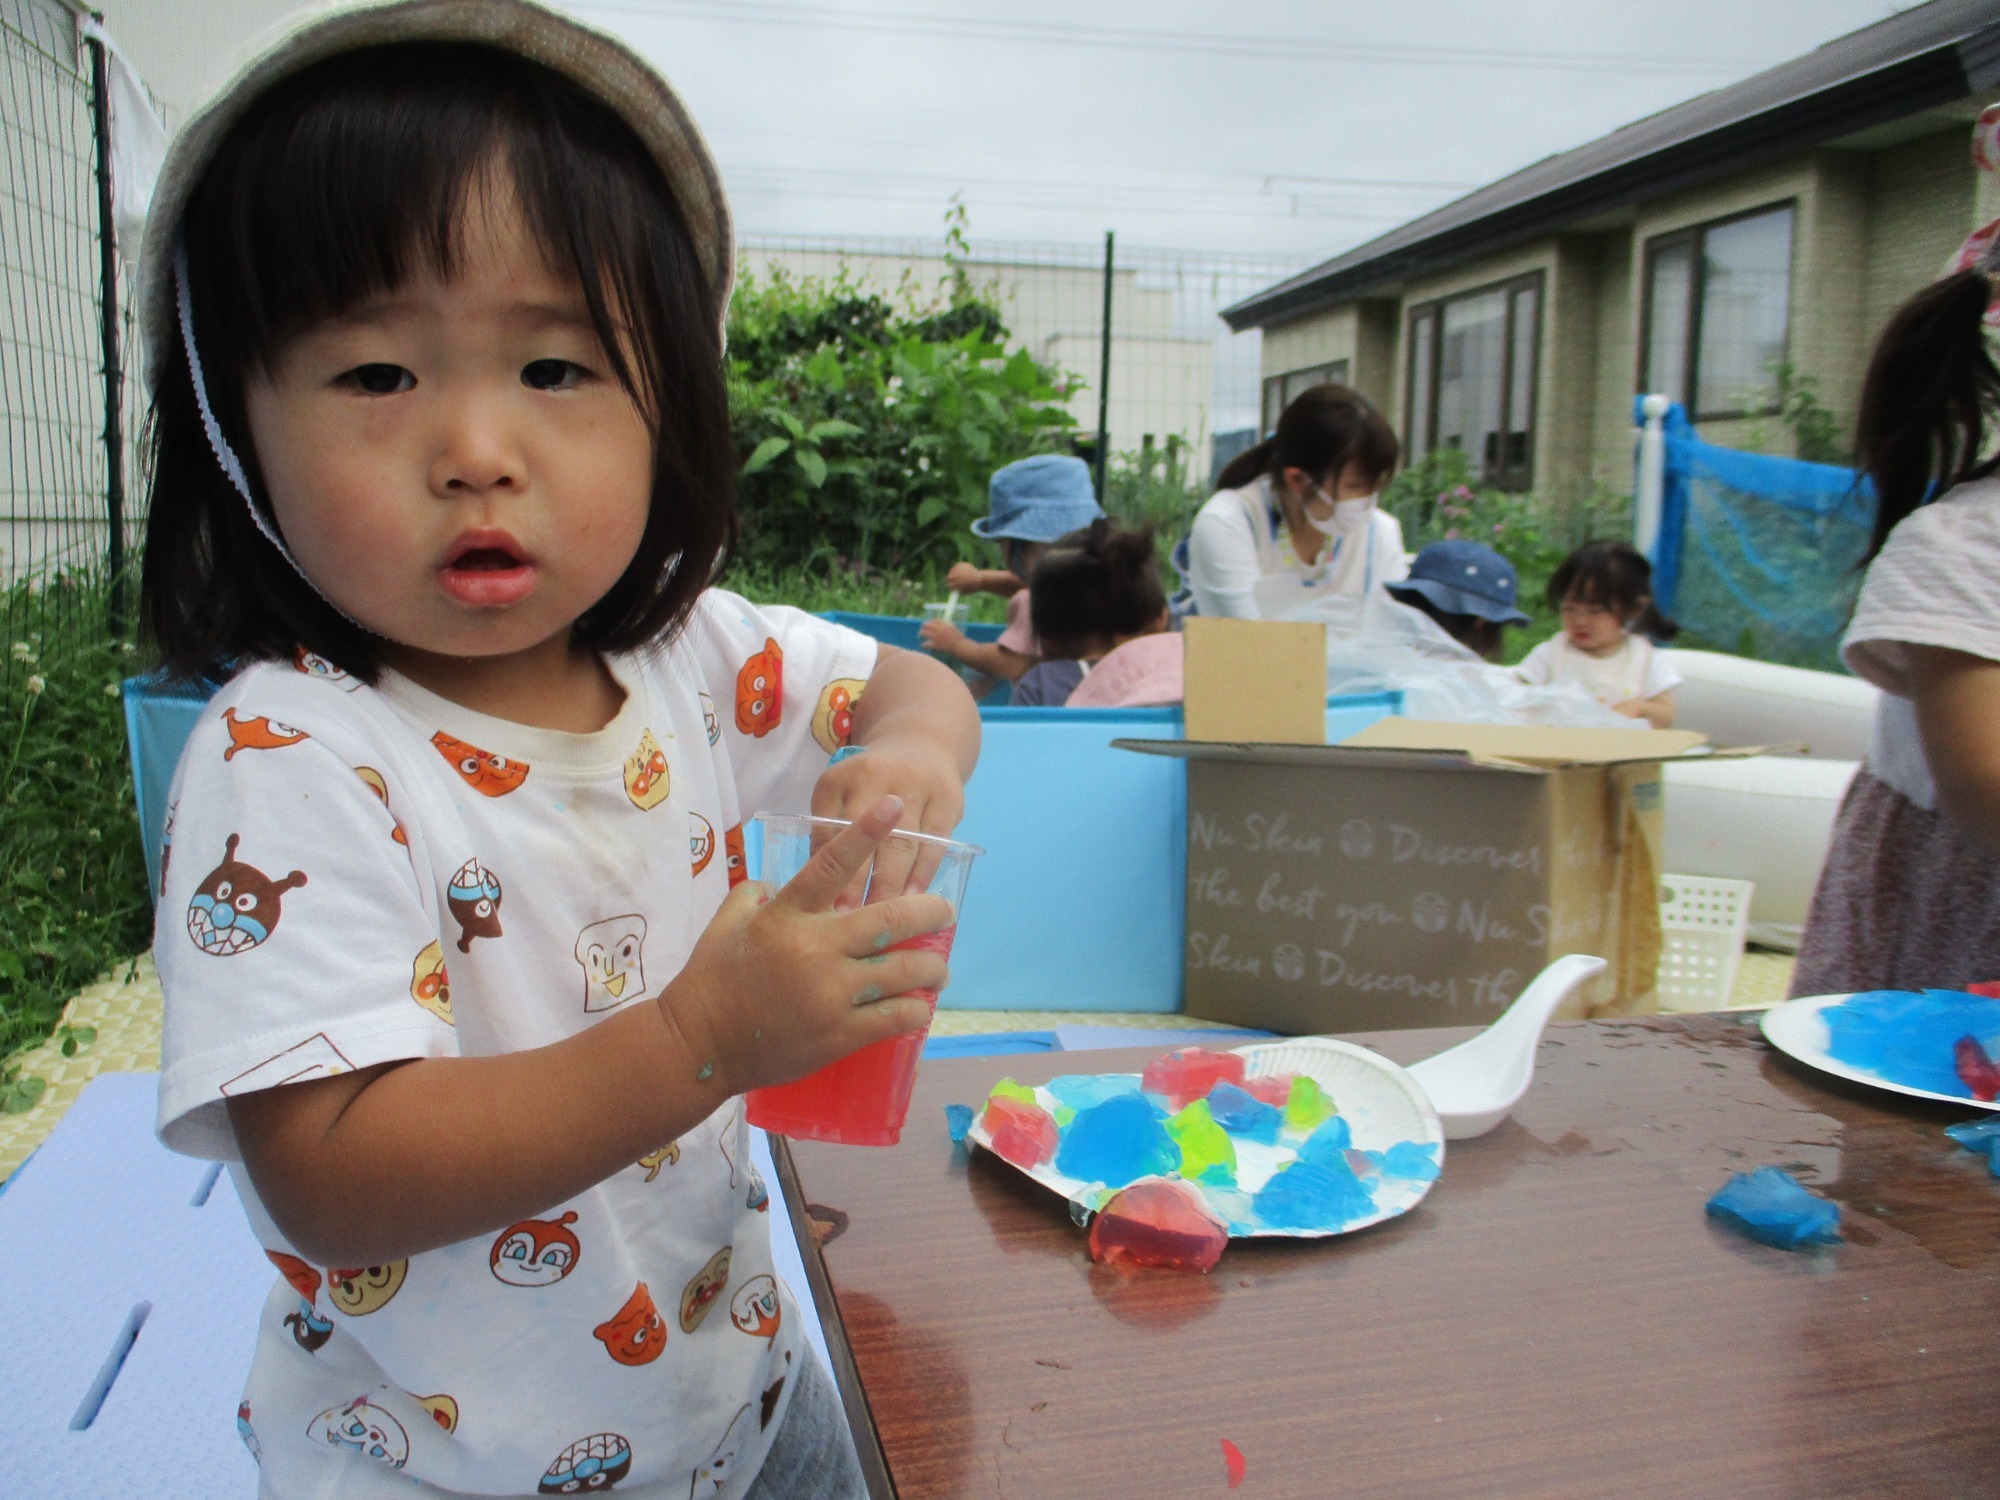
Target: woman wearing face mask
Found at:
1295, 518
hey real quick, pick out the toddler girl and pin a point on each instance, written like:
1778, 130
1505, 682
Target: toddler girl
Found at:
1910, 894
1609, 626
455, 979
1093, 593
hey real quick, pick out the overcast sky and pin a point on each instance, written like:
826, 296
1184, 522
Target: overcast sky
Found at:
1296, 127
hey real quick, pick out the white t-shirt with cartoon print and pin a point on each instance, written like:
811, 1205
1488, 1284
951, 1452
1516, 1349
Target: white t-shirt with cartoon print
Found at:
359, 875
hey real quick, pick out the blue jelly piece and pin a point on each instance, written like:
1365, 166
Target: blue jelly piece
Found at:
1411, 1159
958, 1120
1976, 1135
1327, 1146
1118, 1142
1772, 1207
1309, 1195
1081, 1090
1244, 1114
1907, 1037
1993, 1158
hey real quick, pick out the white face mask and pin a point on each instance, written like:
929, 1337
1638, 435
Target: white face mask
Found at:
1348, 517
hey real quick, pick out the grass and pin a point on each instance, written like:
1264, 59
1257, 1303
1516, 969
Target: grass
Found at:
73, 899
836, 584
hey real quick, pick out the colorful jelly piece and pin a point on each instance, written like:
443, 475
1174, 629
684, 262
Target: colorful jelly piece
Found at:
1774, 1208
1206, 1150
1274, 1090
1116, 1142
1021, 1133
1361, 1163
1232, 1205
958, 1120
1306, 1106
1329, 1143
1081, 1090
1232, 1463
1189, 1074
1414, 1160
1975, 1069
1240, 1114
1907, 1038
1006, 1088
1975, 1135
1158, 1223
1309, 1195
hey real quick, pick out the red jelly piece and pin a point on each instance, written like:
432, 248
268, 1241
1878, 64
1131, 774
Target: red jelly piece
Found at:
1158, 1222
1975, 1069
1274, 1091
1022, 1133
1990, 988
1232, 1462
1188, 1075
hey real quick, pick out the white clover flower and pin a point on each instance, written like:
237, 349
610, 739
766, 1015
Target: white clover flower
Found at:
22, 651
35, 683
111, 690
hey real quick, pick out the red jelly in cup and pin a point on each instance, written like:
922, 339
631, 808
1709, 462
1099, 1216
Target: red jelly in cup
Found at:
862, 1099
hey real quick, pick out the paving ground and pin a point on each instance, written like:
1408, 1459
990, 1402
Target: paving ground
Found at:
124, 1007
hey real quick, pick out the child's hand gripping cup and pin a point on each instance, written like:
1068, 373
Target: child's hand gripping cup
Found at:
862, 1099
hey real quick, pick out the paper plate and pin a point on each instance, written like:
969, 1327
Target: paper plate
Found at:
1797, 1029
1382, 1104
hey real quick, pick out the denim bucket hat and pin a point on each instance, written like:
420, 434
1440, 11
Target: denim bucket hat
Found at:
1464, 578
1038, 499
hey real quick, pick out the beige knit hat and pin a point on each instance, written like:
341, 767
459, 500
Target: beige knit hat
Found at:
605, 67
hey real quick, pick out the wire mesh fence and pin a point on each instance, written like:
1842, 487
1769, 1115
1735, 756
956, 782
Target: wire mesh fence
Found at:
1183, 388
58, 417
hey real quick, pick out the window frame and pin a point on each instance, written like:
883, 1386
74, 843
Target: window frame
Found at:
1335, 370
1695, 237
1426, 403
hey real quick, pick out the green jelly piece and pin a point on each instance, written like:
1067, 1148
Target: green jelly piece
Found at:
1006, 1088
1064, 1114
1204, 1144
1307, 1107
1218, 1175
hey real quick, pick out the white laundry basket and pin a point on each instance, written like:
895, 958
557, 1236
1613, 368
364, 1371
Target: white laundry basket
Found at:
1703, 920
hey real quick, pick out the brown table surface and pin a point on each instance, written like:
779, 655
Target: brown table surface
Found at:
1558, 1317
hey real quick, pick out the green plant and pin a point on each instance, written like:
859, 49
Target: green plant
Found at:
73, 897
1815, 430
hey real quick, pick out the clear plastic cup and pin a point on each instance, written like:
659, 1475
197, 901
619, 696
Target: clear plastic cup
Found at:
862, 1099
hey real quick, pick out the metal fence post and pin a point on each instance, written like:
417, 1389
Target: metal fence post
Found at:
1104, 373
113, 367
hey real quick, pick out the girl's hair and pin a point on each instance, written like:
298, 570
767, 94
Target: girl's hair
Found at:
1095, 585
1615, 576
1326, 428
342, 183
1927, 399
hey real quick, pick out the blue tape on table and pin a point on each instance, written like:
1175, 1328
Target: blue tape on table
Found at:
992, 1044
109, 1239
1099, 1038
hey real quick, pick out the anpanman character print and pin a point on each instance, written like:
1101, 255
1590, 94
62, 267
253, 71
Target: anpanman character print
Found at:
314, 665
760, 691
365, 1289
755, 1308
309, 1330
728, 1456
668, 1155
258, 734
443, 1410
833, 716
588, 1466
613, 955
430, 986
474, 899
378, 784
709, 721
237, 906
701, 841
536, 1252
703, 1288
646, 780
636, 1334
732, 844
487, 774
365, 1428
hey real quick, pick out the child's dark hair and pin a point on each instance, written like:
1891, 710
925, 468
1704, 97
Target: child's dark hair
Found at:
1093, 586
341, 183
1928, 399
1323, 430
1613, 575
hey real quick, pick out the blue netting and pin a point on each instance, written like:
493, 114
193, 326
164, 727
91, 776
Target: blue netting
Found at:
1759, 555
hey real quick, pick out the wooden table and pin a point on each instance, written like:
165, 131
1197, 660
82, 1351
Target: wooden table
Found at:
1557, 1318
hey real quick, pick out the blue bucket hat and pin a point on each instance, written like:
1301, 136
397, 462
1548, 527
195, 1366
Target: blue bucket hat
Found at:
1038, 499
1464, 578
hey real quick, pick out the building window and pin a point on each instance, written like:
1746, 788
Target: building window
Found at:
1280, 389
1717, 300
1472, 367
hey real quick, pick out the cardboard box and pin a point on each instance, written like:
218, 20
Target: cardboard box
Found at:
1419, 874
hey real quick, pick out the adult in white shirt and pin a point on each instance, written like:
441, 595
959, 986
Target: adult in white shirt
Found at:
1295, 518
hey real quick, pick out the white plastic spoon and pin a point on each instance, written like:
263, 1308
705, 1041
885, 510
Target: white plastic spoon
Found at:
1475, 1085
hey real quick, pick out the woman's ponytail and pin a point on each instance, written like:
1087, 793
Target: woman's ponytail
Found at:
1247, 465
1927, 400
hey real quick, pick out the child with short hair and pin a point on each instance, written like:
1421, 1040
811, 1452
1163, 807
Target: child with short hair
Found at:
1095, 592
1029, 504
1610, 628
455, 977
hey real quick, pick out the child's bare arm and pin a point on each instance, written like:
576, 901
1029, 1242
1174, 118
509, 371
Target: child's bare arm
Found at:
1957, 697
1657, 710
964, 578
392, 1160
989, 657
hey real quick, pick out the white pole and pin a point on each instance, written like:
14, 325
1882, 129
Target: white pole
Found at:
1652, 476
